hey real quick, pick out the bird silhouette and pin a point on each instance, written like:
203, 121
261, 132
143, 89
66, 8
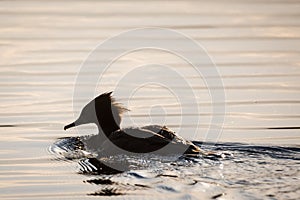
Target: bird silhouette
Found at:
111, 139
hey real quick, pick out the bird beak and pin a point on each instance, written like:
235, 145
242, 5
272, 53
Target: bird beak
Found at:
69, 126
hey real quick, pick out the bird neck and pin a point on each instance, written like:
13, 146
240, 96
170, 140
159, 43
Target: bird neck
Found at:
108, 120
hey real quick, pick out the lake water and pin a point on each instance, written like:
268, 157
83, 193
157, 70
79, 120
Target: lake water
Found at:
253, 45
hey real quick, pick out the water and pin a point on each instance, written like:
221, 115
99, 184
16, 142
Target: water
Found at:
255, 45
230, 170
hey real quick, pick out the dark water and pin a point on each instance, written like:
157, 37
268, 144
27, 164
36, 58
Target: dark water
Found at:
230, 170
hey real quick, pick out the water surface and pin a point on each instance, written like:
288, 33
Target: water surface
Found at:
255, 45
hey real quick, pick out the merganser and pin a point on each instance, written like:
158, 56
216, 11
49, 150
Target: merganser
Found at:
106, 113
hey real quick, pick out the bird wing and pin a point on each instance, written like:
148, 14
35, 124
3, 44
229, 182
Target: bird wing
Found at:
139, 134
141, 140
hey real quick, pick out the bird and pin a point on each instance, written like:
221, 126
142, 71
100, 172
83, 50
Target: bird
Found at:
111, 139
